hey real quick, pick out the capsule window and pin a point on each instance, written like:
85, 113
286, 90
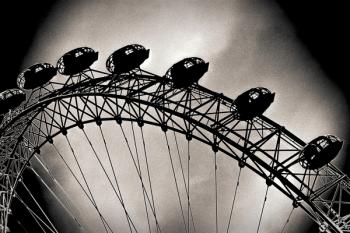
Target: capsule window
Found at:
323, 143
79, 53
37, 69
254, 95
198, 60
138, 47
188, 64
129, 51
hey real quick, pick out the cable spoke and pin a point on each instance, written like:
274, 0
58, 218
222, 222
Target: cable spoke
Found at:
148, 172
35, 216
262, 209
287, 221
104, 222
234, 199
66, 207
216, 192
188, 184
38, 205
109, 179
177, 188
75, 177
184, 179
140, 171
115, 177
139, 175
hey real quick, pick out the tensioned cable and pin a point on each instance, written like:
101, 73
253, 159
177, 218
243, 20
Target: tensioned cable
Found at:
142, 184
234, 199
104, 170
177, 188
134, 162
75, 177
115, 177
216, 192
148, 172
67, 208
287, 221
183, 177
188, 184
35, 216
38, 205
140, 171
262, 209
104, 222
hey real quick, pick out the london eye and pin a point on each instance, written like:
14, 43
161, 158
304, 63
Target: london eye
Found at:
124, 150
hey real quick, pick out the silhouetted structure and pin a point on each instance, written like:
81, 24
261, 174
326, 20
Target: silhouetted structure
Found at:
176, 102
320, 151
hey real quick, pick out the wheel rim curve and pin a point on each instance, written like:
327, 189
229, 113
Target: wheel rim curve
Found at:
156, 80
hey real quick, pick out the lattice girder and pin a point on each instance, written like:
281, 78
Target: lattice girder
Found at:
260, 144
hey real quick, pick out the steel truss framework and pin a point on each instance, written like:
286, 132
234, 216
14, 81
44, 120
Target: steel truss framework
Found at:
260, 144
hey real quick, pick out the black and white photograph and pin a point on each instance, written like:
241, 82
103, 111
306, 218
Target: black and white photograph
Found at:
161, 116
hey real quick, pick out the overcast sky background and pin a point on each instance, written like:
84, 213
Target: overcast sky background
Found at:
247, 43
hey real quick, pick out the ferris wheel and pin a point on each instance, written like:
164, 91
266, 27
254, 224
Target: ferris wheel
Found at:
170, 153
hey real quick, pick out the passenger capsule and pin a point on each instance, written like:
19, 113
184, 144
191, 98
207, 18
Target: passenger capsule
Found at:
252, 103
76, 61
320, 151
187, 71
127, 58
10, 99
36, 76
